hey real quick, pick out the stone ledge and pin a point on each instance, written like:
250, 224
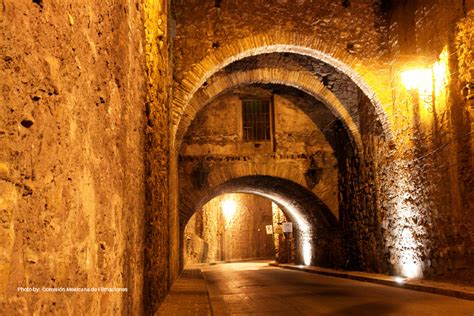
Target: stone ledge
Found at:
457, 291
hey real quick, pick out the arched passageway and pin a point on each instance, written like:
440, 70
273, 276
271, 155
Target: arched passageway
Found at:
279, 42
118, 117
356, 138
299, 80
318, 235
317, 132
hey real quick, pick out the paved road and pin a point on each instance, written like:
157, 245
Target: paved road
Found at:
257, 289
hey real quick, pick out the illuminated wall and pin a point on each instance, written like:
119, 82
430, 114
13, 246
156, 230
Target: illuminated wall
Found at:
229, 227
426, 218
405, 198
72, 156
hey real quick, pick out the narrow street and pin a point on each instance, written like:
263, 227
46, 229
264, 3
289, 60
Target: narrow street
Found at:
257, 289
154, 153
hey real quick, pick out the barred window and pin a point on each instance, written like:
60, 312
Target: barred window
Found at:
256, 120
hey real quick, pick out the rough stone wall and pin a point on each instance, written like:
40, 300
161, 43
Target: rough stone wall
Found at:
162, 227
358, 187
357, 28
71, 159
465, 57
209, 236
216, 137
428, 209
209, 33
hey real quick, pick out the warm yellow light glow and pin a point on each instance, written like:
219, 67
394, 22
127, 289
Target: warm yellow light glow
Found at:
399, 280
440, 72
307, 251
303, 227
424, 80
408, 236
418, 79
229, 208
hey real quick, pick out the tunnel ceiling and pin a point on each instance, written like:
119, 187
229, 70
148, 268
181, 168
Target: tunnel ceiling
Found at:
325, 120
336, 81
329, 75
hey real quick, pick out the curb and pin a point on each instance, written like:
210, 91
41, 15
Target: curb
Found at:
237, 261
409, 285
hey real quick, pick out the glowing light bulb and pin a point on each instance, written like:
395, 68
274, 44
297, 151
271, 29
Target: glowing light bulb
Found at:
418, 79
229, 208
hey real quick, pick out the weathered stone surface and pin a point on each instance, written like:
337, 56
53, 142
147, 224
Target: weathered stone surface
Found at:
95, 99
161, 221
72, 155
216, 136
354, 29
427, 208
240, 236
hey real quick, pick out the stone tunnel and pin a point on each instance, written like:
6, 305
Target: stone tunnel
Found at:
125, 126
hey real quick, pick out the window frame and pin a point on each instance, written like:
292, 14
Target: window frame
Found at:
267, 131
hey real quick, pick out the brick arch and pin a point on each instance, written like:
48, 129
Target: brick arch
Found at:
297, 79
317, 229
374, 84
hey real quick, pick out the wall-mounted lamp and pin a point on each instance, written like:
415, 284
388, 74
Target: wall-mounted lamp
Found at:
199, 175
427, 83
313, 174
420, 80
420, 83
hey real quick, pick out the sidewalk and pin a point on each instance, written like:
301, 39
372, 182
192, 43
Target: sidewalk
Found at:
458, 291
188, 296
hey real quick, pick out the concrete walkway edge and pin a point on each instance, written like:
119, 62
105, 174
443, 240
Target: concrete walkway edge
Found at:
462, 292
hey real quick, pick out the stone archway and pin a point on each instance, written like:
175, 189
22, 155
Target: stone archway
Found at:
318, 237
203, 85
299, 80
372, 84
191, 197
